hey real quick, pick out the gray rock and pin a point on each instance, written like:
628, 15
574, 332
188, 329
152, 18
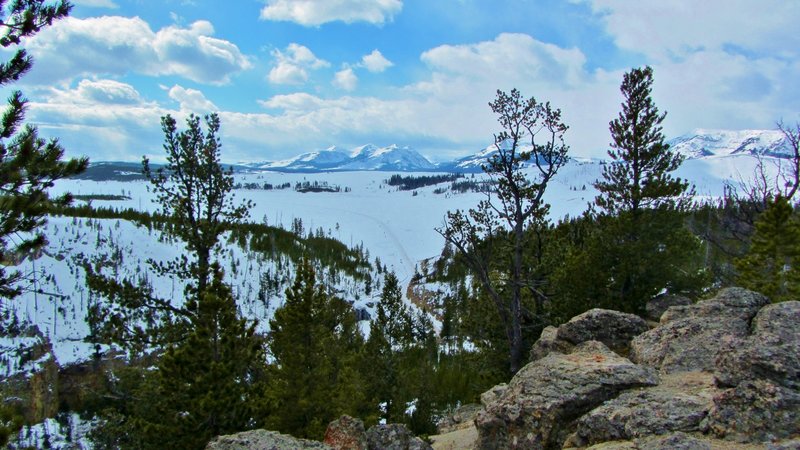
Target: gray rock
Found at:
394, 436
691, 337
674, 441
613, 328
792, 444
756, 411
656, 307
493, 394
680, 403
346, 433
729, 303
463, 416
263, 440
771, 352
548, 342
543, 399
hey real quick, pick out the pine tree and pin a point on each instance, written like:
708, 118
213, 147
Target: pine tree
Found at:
772, 264
314, 342
194, 191
639, 175
493, 237
29, 164
639, 244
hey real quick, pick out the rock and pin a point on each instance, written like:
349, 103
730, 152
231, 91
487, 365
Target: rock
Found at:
656, 307
549, 342
537, 408
613, 328
771, 352
462, 417
493, 394
346, 433
679, 403
674, 441
394, 436
729, 303
690, 337
756, 411
262, 440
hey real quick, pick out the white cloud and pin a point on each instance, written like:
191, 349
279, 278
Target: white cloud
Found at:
96, 3
293, 64
679, 27
318, 12
345, 79
191, 100
98, 92
113, 45
375, 62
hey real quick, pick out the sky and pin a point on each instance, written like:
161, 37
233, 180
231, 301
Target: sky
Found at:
291, 76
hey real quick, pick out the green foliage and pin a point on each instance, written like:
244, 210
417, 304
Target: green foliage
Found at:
772, 265
11, 422
195, 191
314, 342
639, 176
532, 133
28, 164
640, 244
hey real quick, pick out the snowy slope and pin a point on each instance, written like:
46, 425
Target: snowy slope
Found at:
716, 143
365, 157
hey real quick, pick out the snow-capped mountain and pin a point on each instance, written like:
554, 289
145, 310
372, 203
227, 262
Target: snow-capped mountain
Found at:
713, 143
365, 157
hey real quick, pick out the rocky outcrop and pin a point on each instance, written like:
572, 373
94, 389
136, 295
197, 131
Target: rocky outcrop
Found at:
656, 307
771, 352
690, 337
462, 417
542, 400
263, 440
718, 374
680, 403
394, 436
613, 328
346, 433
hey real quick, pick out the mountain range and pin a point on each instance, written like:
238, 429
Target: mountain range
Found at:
698, 144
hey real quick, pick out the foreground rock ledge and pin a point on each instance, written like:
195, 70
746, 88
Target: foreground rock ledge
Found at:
543, 399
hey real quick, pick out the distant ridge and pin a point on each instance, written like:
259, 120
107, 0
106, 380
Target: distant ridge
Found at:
703, 143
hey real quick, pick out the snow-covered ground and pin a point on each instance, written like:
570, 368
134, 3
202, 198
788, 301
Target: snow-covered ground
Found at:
398, 227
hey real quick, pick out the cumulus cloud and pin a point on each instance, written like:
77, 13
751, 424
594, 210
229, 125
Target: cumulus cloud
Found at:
345, 79
96, 3
375, 62
191, 100
676, 28
318, 12
292, 65
112, 45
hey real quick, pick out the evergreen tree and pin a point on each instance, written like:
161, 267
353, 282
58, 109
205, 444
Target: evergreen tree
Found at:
772, 265
639, 175
639, 244
493, 237
194, 191
204, 386
29, 164
314, 342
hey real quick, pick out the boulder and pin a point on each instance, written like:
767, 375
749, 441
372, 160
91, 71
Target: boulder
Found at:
729, 303
462, 417
756, 411
691, 337
394, 436
549, 342
263, 440
613, 328
679, 403
543, 399
346, 433
771, 352
656, 307
493, 394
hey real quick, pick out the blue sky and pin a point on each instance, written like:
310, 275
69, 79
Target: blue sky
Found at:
289, 76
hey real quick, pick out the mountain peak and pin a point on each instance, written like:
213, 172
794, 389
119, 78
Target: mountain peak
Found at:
706, 143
